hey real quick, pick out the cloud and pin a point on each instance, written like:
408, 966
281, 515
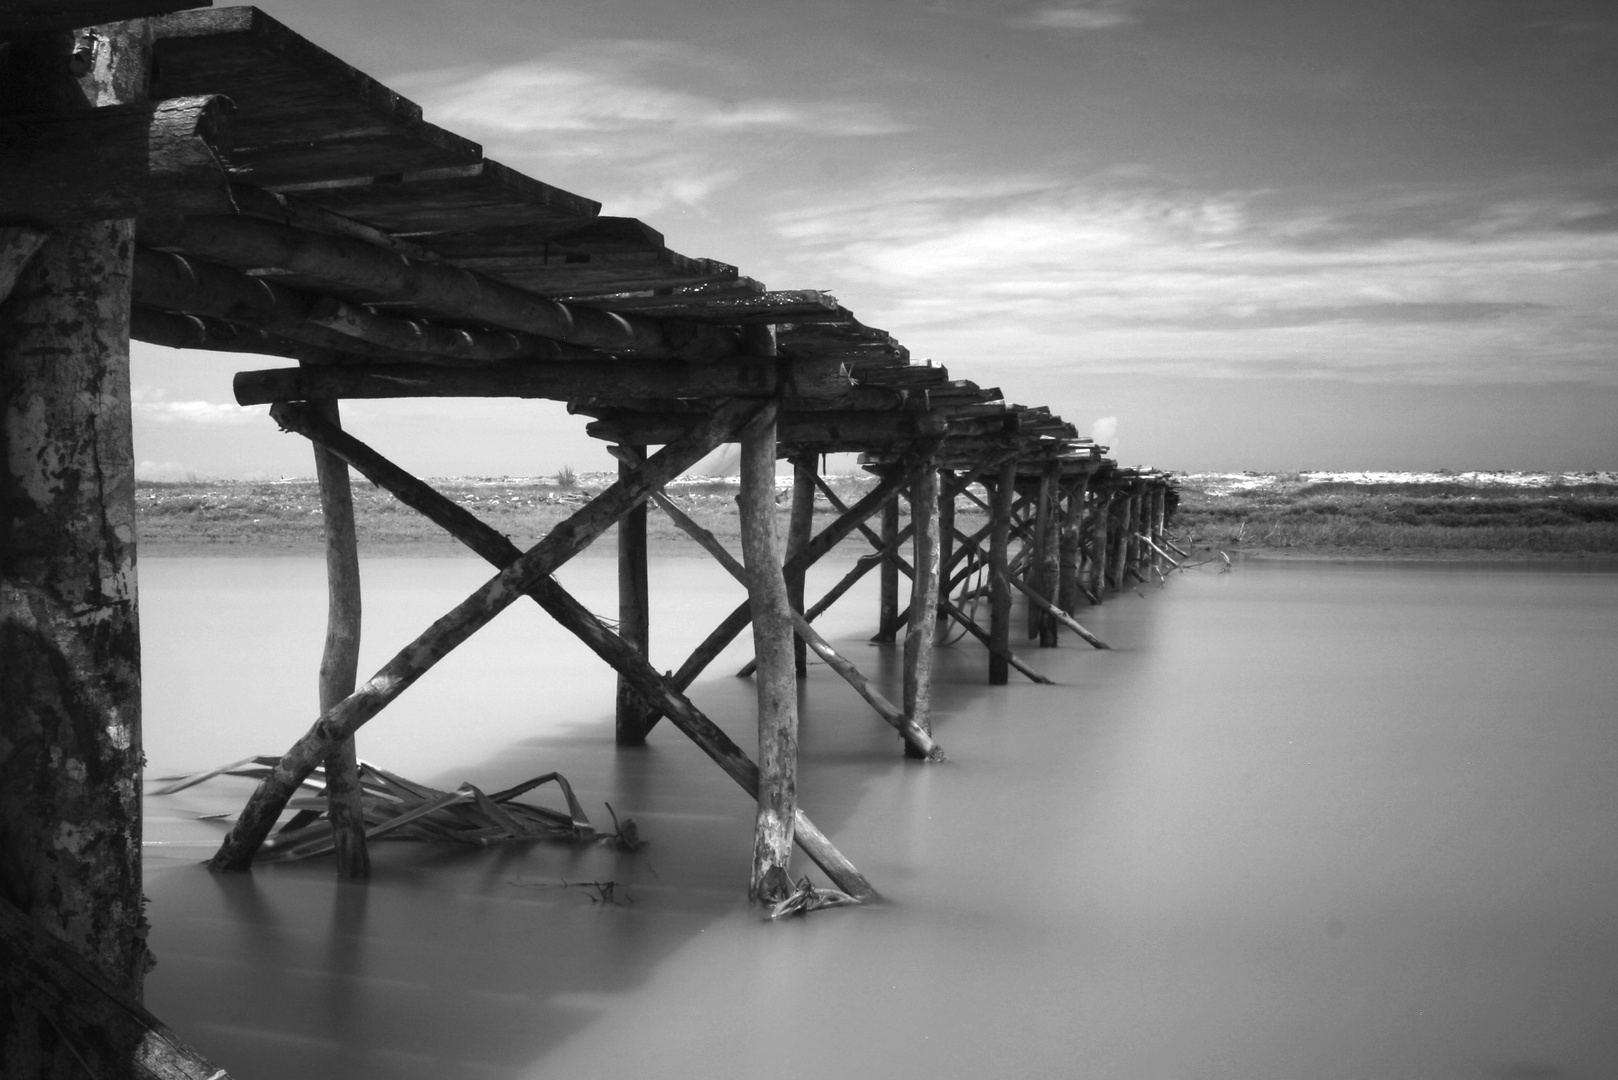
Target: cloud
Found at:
1111, 273
1073, 17
654, 124
1104, 430
152, 405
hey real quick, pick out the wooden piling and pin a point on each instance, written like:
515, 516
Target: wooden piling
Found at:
918, 656
946, 535
776, 677
70, 719
340, 659
800, 528
634, 606
1050, 548
1071, 554
1005, 491
887, 630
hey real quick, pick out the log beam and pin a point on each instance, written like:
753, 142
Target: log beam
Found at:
446, 290
118, 161
755, 377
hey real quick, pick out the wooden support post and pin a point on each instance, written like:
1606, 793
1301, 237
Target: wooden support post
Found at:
578, 620
1043, 603
565, 540
887, 629
946, 534
634, 605
340, 660
1036, 556
17, 246
1050, 553
70, 699
800, 528
1005, 490
1117, 534
918, 658
1072, 520
776, 681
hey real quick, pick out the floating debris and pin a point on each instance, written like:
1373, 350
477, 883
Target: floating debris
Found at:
400, 809
806, 898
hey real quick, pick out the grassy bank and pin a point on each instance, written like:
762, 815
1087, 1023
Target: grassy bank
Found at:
1510, 514
1254, 513
283, 517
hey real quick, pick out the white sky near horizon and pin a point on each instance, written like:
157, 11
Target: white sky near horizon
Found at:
1223, 234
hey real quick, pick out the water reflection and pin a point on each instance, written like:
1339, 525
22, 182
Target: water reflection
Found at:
1303, 821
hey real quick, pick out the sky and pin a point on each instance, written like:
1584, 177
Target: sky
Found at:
1215, 234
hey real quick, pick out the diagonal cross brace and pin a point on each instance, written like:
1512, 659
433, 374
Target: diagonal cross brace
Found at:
579, 620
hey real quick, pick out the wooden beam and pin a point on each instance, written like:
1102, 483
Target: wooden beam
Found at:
118, 161
106, 1027
446, 290
634, 605
919, 643
411, 337
340, 659
840, 429
564, 541
561, 606
562, 380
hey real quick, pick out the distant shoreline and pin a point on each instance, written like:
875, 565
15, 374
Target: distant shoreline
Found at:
1470, 517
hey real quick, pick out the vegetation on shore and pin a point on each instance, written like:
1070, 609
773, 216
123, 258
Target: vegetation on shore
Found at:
1264, 513
1435, 514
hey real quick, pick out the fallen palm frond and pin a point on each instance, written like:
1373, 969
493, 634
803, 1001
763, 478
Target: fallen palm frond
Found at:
806, 898
400, 809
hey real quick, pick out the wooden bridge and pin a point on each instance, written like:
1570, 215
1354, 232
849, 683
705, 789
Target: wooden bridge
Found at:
209, 179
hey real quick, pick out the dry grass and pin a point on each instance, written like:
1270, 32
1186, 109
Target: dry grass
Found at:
1292, 512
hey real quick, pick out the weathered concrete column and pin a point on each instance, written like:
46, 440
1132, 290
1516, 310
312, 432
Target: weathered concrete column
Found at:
918, 658
70, 732
1005, 493
634, 606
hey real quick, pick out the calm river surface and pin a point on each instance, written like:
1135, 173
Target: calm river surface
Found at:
1306, 821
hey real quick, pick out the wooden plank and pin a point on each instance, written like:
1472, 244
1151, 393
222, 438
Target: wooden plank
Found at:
454, 200
302, 114
118, 161
560, 605
346, 262
564, 541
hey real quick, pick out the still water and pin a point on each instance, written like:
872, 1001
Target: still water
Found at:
1304, 822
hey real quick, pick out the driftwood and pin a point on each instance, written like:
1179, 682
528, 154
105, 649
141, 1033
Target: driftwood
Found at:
657, 690
398, 809
805, 898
